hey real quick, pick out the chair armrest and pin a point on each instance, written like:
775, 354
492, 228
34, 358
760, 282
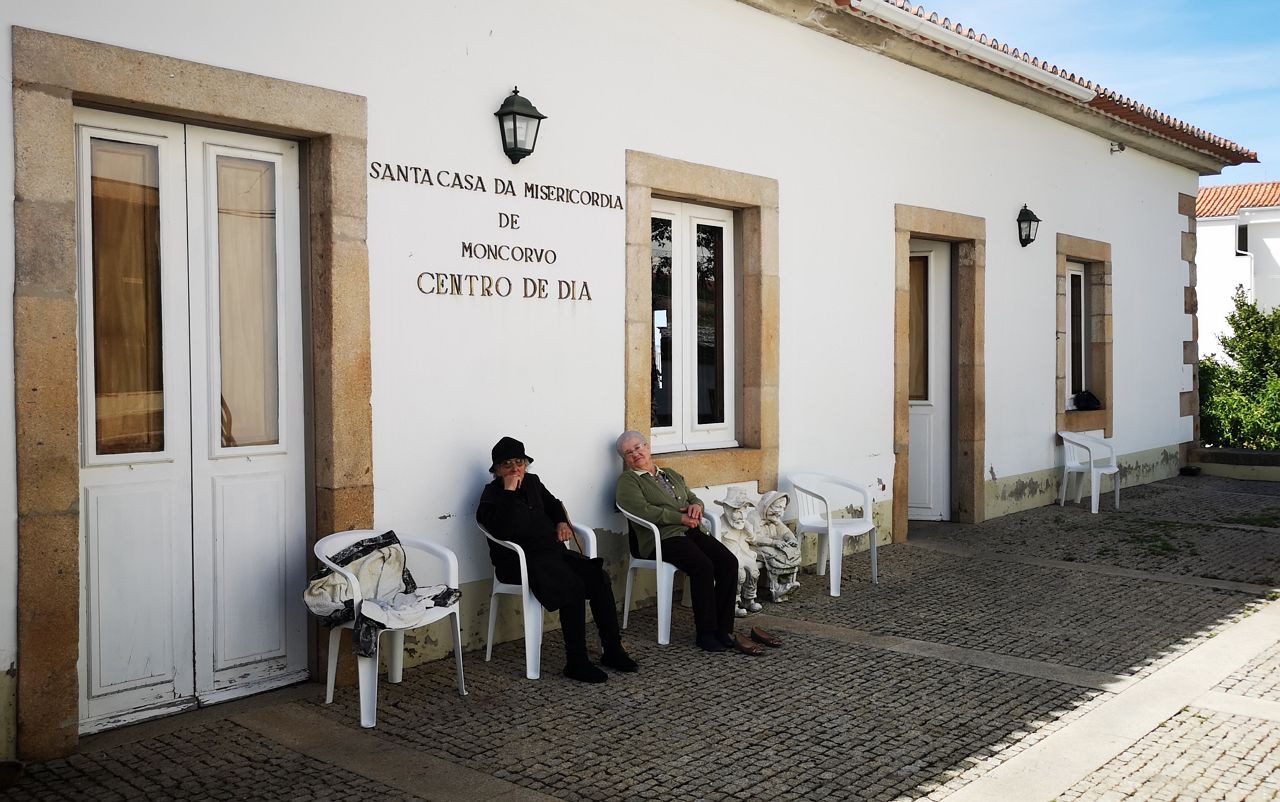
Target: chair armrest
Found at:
357, 598
714, 525
864, 492
445, 555
587, 538
507, 544
657, 536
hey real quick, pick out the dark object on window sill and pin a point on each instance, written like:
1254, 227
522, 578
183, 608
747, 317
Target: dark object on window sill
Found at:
1189, 470
1086, 400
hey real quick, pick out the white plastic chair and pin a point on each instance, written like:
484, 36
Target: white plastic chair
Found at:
367, 667
817, 495
532, 607
666, 579
1083, 454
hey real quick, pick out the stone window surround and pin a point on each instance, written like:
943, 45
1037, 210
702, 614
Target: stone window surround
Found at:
968, 342
754, 201
1097, 255
52, 74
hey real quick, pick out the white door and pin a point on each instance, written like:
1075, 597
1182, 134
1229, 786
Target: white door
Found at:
192, 471
929, 460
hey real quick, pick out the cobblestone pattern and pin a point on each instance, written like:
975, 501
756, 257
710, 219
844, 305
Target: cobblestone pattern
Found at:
1259, 679
1196, 756
1112, 624
815, 719
1158, 539
216, 761
1190, 499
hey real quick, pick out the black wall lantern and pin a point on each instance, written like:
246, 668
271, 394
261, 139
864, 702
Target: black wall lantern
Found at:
1028, 225
518, 122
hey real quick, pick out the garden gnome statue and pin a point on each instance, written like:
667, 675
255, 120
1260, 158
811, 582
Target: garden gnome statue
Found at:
737, 537
778, 546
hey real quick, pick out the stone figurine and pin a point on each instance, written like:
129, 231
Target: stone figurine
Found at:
777, 545
737, 536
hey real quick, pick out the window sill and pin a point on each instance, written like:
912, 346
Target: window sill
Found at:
1086, 420
715, 466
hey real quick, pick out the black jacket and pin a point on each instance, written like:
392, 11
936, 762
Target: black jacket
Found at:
527, 517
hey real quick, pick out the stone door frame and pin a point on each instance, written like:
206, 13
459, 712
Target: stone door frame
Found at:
51, 75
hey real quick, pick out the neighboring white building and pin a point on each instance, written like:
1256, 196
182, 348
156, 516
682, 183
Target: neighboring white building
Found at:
273, 276
1237, 244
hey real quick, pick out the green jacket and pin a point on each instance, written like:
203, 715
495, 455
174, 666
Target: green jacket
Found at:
642, 496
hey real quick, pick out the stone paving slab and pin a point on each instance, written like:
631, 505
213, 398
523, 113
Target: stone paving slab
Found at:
1188, 500
815, 719
1195, 756
213, 761
1116, 625
1259, 679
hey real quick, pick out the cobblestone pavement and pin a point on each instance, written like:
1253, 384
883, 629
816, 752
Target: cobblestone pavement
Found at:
837, 713
1196, 756
1260, 679
1195, 526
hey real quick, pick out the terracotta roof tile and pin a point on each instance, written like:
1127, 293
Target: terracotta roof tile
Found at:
1107, 101
1228, 200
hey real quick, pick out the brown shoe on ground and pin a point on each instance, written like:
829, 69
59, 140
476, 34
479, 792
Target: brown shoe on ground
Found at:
767, 638
746, 645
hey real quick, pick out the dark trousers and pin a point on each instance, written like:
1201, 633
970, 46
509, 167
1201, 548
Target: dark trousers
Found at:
567, 581
713, 575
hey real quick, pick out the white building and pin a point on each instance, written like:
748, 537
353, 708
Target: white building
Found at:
273, 276
1237, 244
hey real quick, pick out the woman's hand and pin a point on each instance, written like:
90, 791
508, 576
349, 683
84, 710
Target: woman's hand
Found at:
511, 480
688, 521
564, 533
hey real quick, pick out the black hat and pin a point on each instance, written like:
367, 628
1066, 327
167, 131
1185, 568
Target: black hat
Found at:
508, 448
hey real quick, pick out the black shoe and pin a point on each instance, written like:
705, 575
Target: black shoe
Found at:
726, 639
708, 642
585, 672
618, 660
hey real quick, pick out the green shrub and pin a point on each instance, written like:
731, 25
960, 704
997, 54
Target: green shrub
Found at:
1240, 395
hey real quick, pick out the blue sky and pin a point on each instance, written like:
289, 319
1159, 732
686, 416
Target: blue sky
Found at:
1212, 63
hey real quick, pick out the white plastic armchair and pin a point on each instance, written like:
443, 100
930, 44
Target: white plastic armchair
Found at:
532, 608
442, 569
817, 495
1083, 454
666, 578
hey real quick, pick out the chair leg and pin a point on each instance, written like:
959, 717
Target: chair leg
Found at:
335, 639
666, 582
835, 555
1080, 485
626, 599
875, 571
686, 598
1062, 489
532, 636
822, 553
1115, 486
457, 652
395, 659
1095, 485
493, 619
368, 670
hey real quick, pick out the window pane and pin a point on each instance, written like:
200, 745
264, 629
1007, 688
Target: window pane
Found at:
711, 333
247, 300
660, 389
918, 327
1077, 333
128, 371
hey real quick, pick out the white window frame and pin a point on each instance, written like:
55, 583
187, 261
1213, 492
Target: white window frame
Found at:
685, 433
1082, 270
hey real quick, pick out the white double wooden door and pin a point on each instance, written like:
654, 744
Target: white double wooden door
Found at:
192, 476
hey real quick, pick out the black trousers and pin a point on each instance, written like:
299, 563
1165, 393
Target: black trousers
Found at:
713, 576
567, 581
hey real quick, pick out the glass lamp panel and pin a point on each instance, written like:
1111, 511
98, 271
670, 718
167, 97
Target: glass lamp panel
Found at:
664, 342
528, 127
248, 325
128, 369
710, 327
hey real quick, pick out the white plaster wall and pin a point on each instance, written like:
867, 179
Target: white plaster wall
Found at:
1264, 244
1218, 272
846, 133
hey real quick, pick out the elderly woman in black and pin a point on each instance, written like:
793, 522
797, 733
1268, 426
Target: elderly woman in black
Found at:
516, 506
660, 495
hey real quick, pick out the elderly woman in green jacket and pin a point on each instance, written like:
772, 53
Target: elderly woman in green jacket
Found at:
661, 496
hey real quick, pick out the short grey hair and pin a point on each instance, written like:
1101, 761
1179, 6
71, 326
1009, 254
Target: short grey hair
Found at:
627, 437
